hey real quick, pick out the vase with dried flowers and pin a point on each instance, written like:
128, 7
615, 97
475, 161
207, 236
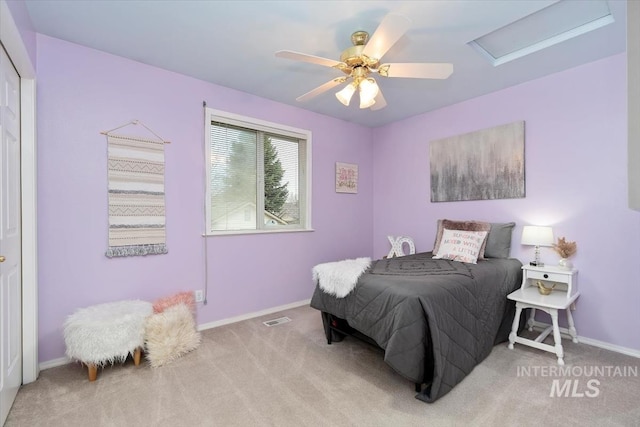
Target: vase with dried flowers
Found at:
565, 249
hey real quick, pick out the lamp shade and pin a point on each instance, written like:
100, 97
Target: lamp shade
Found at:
345, 94
368, 91
366, 102
534, 235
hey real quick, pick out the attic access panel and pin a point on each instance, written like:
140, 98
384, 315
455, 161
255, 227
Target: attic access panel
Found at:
547, 27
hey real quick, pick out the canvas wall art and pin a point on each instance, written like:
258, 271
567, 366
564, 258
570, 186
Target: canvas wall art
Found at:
346, 178
482, 165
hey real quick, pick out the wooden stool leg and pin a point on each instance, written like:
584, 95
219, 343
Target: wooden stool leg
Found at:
136, 356
93, 372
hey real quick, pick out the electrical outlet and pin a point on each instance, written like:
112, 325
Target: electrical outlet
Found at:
199, 296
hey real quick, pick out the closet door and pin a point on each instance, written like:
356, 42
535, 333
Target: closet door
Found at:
10, 237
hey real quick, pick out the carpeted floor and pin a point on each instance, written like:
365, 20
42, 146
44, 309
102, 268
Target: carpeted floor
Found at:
247, 374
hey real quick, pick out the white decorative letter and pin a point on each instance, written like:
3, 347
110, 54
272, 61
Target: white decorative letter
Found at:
396, 246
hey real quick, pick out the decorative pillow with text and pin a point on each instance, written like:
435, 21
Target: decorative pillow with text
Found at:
464, 226
461, 245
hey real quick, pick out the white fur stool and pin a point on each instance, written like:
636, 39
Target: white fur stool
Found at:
106, 333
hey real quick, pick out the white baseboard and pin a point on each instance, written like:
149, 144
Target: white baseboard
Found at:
247, 316
64, 360
590, 341
612, 347
54, 363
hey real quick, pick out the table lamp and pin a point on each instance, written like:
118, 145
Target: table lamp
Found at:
533, 235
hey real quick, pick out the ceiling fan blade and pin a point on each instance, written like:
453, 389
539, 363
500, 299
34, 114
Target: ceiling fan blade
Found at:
380, 102
322, 88
389, 31
297, 56
417, 71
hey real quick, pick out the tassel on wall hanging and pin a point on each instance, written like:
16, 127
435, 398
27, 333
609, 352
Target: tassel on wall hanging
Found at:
137, 222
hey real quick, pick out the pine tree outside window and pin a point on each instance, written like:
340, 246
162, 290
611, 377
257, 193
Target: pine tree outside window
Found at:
257, 175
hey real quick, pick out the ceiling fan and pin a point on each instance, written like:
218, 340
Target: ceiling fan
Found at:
362, 59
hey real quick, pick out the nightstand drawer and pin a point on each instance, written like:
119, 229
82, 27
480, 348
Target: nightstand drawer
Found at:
552, 277
562, 281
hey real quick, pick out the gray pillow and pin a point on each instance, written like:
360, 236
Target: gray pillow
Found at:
499, 240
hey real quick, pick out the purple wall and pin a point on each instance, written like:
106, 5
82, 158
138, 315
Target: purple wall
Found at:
82, 92
575, 150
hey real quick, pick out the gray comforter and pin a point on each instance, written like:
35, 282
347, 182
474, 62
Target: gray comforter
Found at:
435, 319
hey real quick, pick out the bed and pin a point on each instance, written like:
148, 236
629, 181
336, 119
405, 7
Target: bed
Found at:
435, 319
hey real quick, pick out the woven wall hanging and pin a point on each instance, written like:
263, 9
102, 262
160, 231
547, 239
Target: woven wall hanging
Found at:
137, 222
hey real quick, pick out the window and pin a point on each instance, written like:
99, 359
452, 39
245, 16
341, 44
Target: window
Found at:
257, 175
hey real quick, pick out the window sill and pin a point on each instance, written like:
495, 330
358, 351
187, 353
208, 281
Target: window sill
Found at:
266, 231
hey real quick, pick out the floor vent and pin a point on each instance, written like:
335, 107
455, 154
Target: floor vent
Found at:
277, 321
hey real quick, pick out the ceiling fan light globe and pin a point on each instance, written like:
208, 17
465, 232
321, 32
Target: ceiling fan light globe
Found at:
366, 103
369, 88
368, 91
344, 96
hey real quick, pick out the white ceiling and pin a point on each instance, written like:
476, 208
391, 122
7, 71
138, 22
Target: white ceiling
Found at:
232, 43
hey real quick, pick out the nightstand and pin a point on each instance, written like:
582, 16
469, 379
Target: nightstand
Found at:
562, 297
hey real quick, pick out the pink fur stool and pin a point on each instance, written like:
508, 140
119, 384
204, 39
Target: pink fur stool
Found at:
106, 333
186, 298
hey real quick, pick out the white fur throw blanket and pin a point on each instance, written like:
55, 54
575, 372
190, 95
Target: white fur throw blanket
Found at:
340, 277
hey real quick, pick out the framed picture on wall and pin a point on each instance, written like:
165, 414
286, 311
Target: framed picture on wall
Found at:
346, 178
482, 165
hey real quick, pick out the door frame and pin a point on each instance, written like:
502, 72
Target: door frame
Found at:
14, 45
